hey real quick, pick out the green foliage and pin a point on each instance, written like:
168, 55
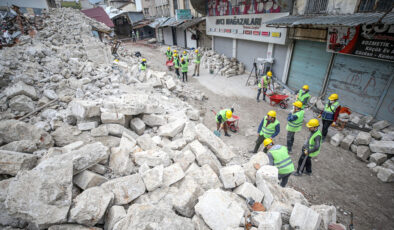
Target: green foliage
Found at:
75, 5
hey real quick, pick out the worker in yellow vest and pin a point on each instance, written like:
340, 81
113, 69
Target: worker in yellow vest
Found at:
184, 69
303, 95
169, 54
279, 157
310, 149
264, 83
197, 63
177, 65
143, 65
221, 120
294, 123
269, 128
330, 113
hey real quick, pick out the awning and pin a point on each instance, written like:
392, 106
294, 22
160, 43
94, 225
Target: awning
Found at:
99, 15
158, 21
332, 20
141, 24
172, 22
192, 22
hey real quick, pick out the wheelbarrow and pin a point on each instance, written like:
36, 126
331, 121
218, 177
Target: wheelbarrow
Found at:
232, 124
279, 99
169, 64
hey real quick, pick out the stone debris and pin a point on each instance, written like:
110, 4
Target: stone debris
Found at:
221, 64
112, 138
306, 218
328, 214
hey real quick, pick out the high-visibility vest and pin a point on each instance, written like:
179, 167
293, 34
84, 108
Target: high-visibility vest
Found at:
295, 126
265, 80
302, 96
176, 62
143, 66
186, 57
282, 159
198, 58
268, 130
169, 54
223, 114
312, 143
329, 111
184, 66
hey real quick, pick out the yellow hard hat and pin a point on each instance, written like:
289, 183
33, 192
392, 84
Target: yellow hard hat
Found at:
269, 74
143, 59
168, 48
306, 87
184, 52
333, 96
267, 141
196, 51
175, 54
182, 59
175, 51
298, 104
271, 113
229, 114
312, 123
116, 60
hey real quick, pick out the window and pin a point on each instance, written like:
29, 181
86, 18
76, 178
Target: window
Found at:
374, 5
316, 7
175, 4
186, 4
146, 11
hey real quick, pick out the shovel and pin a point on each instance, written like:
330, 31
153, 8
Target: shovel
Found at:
217, 132
303, 163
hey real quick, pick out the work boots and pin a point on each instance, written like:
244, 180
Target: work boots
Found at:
227, 135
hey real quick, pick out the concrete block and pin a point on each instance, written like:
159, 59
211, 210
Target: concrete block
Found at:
363, 152
267, 220
20, 88
304, 218
172, 129
84, 109
153, 120
205, 156
328, 214
232, 176
386, 175
376, 134
347, 142
187, 197
114, 215
204, 176
152, 158
170, 84
185, 159
21, 103
146, 142
380, 125
99, 169
153, 178
250, 171
113, 118
125, 189
382, 147
265, 187
87, 179
336, 139
378, 158
371, 165
87, 125
178, 144
13, 162
137, 125
189, 132
193, 114
172, 174
363, 138
388, 136
248, 190
353, 148
268, 173
389, 164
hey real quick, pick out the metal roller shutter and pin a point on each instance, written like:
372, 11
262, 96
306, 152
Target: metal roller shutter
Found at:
224, 46
386, 110
278, 68
359, 82
180, 38
248, 50
167, 33
308, 66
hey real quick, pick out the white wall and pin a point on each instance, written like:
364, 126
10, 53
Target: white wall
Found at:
138, 5
190, 43
333, 6
25, 3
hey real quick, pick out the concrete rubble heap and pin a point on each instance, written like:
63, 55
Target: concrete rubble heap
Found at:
118, 149
222, 65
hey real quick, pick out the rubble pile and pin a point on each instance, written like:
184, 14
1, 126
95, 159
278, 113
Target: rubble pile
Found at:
115, 148
221, 64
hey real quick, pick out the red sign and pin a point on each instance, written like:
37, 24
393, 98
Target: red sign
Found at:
247, 31
227, 31
264, 33
256, 32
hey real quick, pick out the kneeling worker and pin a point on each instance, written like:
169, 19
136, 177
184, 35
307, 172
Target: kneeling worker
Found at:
269, 128
222, 117
310, 149
279, 157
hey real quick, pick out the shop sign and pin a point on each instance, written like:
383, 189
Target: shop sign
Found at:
247, 27
183, 14
366, 40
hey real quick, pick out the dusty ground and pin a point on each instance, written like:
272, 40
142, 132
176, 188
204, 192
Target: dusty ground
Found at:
338, 177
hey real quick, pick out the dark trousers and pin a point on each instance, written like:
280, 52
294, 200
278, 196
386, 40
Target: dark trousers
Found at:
308, 164
259, 92
290, 140
259, 141
326, 125
184, 76
177, 72
284, 178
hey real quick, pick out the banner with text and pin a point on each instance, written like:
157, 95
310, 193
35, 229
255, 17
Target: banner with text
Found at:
374, 42
247, 27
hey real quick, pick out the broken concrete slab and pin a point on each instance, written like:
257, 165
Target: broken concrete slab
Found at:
125, 189
205, 156
221, 150
172, 174
184, 159
20, 88
189, 132
113, 118
170, 84
219, 209
363, 138
153, 178
248, 190
86, 126
205, 176
259, 159
5, 218
84, 109
87, 179
114, 215
267, 220
89, 206
199, 223
336, 139
187, 197
152, 158
120, 159
380, 125
28, 197
146, 142
177, 144
268, 173
172, 129
386, 175
378, 158
232, 176
21, 103
347, 142
13, 162
303, 217
328, 214
137, 125
363, 152
389, 164
265, 187
153, 120
382, 147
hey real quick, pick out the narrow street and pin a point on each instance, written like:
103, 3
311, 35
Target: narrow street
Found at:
338, 178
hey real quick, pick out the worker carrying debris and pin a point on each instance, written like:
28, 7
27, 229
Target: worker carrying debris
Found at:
221, 117
279, 157
197, 63
177, 65
269, 128
303, 95
294, 123
143, 65
184, 69
330, 113
264, 83
169, 54
310, 149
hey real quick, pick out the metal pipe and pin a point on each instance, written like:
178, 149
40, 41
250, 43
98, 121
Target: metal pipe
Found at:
326, 78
